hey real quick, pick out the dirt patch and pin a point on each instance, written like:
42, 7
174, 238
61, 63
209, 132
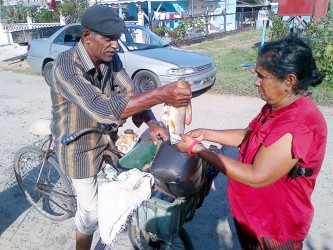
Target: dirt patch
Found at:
17, 65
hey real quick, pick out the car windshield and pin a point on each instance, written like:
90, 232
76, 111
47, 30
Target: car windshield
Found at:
140, 38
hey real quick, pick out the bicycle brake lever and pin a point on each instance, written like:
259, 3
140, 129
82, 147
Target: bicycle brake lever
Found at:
107, 128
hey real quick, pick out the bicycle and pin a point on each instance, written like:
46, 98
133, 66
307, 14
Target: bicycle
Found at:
40, 178
51, 193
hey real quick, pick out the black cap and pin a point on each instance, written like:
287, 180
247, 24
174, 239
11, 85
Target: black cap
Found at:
103, 20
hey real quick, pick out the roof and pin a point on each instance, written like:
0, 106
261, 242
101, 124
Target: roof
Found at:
242, 4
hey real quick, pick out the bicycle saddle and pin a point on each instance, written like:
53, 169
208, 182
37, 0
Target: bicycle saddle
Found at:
40, 127
178, 173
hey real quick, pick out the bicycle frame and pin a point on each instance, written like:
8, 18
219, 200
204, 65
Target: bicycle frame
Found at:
46, 155
41, 186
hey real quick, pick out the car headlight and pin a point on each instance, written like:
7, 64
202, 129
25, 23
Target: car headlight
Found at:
180, 71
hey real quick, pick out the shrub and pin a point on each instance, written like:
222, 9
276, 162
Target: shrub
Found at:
188, 27
320, 36
279, 28
162, 31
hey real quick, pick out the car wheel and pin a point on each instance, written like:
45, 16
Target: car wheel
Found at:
146, 80
47, 72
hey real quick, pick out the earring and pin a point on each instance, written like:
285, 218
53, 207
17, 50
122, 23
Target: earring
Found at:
88, 42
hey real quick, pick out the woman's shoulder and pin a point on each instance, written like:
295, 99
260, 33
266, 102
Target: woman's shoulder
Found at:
302, 113
308, 110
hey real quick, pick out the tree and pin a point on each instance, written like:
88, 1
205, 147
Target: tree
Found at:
73, 10
46, 16
16, 14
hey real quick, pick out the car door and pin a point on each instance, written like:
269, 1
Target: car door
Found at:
65, 40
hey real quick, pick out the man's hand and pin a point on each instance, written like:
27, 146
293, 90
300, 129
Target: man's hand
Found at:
175, 96
156, 130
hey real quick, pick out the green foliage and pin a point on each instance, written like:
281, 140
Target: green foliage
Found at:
196, 24
72, 10
161, 31
320, 35
46, 16
16, 14
279, 27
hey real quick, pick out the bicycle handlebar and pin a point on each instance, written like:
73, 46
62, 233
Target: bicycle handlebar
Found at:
104, 128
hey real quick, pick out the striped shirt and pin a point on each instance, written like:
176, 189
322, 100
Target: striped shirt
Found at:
82, 99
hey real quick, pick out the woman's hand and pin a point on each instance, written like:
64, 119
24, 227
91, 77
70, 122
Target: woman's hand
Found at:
191, 136
196, 134
157, 130
185, 143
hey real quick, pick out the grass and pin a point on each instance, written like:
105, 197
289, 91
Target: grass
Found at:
229, 53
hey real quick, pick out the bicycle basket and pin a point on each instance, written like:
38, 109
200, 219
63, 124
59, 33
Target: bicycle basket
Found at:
163, 218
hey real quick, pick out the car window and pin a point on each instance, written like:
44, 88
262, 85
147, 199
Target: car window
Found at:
140, 38
69, 37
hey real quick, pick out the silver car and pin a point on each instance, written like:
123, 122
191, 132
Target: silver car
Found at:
148, 59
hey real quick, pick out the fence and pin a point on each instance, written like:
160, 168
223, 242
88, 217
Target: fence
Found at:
25, 26
188, 29
21, 33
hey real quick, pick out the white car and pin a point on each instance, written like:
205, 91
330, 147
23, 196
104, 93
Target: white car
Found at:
148, 59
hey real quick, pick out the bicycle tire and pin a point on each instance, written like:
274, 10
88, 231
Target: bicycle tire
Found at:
143, 240
52, 197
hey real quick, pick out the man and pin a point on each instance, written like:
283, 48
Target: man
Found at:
90, 87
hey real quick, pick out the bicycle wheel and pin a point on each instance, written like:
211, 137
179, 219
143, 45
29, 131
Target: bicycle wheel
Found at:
143, 240
52, 196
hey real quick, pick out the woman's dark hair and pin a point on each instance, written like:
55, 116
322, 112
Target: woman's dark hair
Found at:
290, 55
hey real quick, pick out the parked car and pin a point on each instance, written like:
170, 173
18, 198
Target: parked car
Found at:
148, 59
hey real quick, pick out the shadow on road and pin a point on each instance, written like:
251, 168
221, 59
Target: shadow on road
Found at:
200, 92
213, 226
12, 205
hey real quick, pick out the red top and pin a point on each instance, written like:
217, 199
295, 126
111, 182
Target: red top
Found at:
282, 210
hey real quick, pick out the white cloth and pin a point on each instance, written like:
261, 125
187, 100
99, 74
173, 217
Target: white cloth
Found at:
118, 199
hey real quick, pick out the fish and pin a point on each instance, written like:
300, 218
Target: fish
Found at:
175, 119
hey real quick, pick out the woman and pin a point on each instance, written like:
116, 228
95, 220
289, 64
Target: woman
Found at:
280, 153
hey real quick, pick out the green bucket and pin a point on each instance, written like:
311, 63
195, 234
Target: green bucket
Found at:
143, 153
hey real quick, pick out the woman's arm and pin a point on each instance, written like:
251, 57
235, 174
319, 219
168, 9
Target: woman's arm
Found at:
230, 137
270, 163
